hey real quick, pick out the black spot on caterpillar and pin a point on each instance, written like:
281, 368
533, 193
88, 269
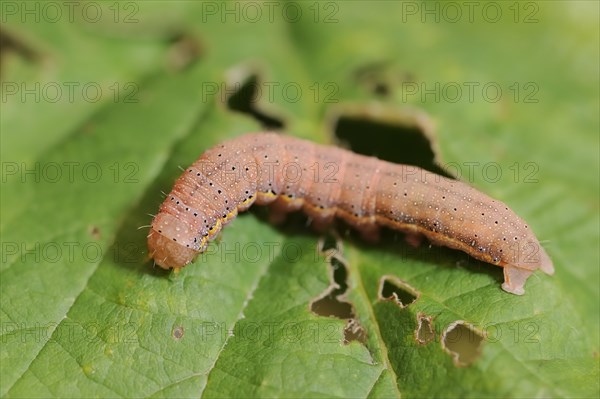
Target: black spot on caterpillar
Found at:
327, 182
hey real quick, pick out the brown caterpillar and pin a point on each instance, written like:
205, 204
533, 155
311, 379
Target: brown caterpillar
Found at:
325, 182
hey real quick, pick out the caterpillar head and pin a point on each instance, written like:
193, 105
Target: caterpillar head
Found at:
168, 242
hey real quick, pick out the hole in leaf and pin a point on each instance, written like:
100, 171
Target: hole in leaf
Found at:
424, 333
393, 289
332, 302
330, 305
245, 100
354, 331
463, 342
329, 245
405, 138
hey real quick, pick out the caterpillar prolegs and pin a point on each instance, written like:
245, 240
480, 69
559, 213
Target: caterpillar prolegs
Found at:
327, 182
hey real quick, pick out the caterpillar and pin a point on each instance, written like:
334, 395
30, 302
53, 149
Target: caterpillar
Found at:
325, 182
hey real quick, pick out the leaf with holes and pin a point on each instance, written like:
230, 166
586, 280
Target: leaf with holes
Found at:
99, 115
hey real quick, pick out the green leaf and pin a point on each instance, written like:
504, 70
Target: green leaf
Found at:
83, 313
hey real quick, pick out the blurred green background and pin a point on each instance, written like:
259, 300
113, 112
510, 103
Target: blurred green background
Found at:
104, 102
